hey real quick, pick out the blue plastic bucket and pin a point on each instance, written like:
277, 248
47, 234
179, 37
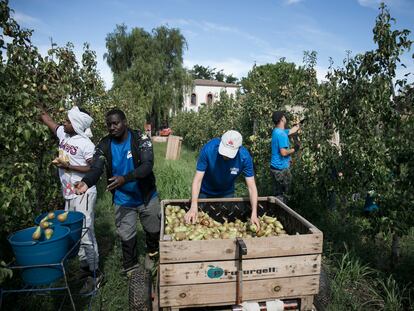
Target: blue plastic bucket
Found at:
41, 252
74, 222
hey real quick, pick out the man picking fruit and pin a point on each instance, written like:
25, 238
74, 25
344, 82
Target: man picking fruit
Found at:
281, 152
219, 164
76, 151
128, 157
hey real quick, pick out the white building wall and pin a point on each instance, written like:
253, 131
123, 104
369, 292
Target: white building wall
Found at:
202, 91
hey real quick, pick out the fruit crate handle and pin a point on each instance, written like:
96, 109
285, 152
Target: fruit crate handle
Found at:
241, 250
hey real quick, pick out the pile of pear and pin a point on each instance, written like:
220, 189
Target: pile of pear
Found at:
206, 228
46, 226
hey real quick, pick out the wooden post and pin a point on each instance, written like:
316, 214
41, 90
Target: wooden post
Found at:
173, 147
306, 303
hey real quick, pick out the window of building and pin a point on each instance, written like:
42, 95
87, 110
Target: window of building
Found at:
209, 99
194, 99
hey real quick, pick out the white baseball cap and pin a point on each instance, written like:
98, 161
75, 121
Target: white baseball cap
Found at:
230, 143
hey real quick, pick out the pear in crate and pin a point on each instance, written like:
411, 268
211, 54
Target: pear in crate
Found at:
62, 217
38, 232
48, 233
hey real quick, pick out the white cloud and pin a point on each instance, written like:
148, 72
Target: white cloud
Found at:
375, 3
316, 38
31, 22
321, 73
105, 73
189, 33
177, 21
206, 26
289, 2
370, 3
25, 19
212, 27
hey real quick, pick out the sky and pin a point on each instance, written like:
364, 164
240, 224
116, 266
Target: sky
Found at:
223, 34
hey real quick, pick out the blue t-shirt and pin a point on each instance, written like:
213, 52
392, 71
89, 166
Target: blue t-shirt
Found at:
220, 174
129, 194
280, 139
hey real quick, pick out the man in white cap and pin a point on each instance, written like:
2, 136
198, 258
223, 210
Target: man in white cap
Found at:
219, 163
75, 146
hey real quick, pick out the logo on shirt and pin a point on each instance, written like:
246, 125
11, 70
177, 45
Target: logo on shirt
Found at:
147, 144
68, 148
129, 154
234, 170
68, 188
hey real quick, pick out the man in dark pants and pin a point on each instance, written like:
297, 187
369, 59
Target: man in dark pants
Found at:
281, 151
128, 157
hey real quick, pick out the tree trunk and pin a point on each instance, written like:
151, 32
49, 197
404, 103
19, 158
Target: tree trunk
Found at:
395, 250
254, 127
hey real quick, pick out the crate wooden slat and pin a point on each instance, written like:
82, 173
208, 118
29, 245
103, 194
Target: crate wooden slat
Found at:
173, 147
287, 245
225, 293
224, 271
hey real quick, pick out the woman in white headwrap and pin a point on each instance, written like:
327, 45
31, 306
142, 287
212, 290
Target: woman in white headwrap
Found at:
76, 151
81, 122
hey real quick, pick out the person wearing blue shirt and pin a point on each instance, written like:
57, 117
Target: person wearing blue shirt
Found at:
128, 158
220, 162
281, 151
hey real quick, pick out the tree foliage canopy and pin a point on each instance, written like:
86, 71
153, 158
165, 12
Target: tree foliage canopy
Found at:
148, 69
207, 73
29, 83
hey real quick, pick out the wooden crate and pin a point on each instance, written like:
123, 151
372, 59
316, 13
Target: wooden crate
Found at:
159, 139
173, 147
203, 273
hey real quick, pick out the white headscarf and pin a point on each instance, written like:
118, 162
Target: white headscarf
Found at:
81, 122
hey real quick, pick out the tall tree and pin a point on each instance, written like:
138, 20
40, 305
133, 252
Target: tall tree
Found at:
207, 73
231, 79
148, 70
220, 76
201, 72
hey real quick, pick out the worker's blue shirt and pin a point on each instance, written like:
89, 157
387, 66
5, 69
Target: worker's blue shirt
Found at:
220, 174
280, 139
129, 194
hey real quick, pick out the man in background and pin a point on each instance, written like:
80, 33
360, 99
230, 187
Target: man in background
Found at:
281, 154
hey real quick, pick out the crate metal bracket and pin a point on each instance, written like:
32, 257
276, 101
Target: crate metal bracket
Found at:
241, 250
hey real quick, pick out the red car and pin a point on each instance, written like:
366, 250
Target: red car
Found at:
166, 132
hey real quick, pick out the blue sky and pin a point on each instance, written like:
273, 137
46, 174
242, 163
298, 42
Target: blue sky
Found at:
227, 34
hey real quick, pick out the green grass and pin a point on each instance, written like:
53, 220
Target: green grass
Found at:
174, 177
350, 286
